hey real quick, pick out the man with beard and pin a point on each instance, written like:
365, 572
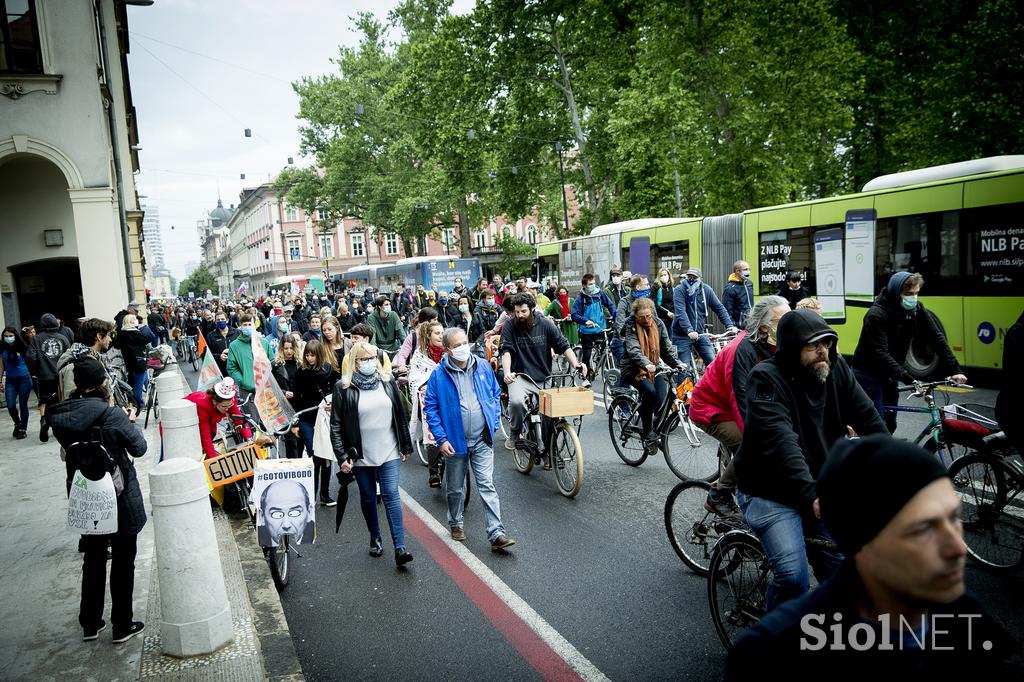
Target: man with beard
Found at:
526, 349
799, 402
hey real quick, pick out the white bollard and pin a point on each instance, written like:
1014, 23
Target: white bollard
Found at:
168, 388
195, 617
180, 424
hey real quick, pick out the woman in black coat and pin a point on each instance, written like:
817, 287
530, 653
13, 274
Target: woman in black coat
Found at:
313, 382
286, 366
370, 436
88, 415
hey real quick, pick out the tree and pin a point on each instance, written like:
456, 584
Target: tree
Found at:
515, 254
197, 282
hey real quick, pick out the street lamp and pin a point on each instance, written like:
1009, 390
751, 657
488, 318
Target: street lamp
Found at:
561, 173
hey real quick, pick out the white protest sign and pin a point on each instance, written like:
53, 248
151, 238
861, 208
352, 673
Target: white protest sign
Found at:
282, 490
92, 506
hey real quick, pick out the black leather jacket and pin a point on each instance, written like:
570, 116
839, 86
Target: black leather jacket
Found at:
346, 436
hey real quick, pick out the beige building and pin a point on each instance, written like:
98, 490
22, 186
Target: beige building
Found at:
70, 222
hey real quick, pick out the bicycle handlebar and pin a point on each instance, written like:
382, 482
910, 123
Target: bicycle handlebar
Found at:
921, 387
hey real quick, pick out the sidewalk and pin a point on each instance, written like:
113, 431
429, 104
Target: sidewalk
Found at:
41, 569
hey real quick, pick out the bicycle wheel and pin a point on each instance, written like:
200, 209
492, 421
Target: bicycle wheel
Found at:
738, 576
150, 402
626, 431
686, 461
991, 511
277, 559
523, 460
691, 528
566, 459
193, 355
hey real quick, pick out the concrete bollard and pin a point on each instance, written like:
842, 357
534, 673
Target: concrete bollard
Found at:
168, 388
180, 424
195, 617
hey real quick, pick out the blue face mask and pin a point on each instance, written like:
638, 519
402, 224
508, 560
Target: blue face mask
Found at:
592, 289
442, 300
222, 324
245, 331
908, 302
8, 339
692, 287
642, 293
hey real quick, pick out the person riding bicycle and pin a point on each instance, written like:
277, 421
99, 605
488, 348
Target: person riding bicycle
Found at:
718, 403
211, 406
798, 402
693, 300
526, 344
647, 345
895, 320
897, 606
589, 313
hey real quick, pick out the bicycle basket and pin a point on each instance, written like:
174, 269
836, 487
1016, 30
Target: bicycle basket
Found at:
566, 402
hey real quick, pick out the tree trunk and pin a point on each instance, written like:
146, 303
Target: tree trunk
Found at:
464, 238
593, 202
407, 247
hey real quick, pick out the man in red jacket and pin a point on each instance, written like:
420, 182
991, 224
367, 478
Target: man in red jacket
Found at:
719, 400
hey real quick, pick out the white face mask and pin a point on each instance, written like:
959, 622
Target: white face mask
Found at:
664, 279
745, 273
368, 367
461, 353
616, 280
386, 309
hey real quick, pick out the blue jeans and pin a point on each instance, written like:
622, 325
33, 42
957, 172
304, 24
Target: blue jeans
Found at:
617, 349
17, 391
881, 392
481, 458
684, 343
139, 387
387, 474
781, 530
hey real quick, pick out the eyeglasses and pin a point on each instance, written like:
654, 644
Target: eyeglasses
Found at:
825, 343
278, 514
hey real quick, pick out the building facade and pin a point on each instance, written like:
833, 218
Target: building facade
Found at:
71, 224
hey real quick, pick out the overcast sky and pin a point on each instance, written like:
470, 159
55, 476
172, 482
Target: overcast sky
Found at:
201, 72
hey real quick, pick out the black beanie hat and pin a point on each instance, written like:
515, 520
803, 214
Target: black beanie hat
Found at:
866, 481
88, 372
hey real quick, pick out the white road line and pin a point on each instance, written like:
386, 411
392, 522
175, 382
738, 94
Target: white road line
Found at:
570, 654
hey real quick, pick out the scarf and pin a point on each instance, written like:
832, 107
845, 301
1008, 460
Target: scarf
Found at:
435, 352
563, 300
365, 383
650, 345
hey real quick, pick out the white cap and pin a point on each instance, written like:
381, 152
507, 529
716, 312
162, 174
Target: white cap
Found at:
225, 388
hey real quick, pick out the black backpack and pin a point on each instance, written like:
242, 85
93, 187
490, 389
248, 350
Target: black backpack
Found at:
92, 459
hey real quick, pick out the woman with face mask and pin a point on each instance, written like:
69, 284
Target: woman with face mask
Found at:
16, 379
560, 312
464, 320
370, 435
314, 381
424, 359
661, 294
133, 345
286, 366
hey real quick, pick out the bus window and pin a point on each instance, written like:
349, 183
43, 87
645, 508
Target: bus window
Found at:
782, 251
927, 243
674, 256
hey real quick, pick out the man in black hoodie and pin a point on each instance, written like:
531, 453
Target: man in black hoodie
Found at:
895, 320
799, 402
43, 354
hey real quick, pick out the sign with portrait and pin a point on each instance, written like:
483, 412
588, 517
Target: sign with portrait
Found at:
282, 491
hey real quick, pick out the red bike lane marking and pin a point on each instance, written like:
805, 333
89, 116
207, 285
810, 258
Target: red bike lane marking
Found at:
538, 653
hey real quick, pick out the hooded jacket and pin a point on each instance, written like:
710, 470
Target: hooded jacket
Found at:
46, 348
738, 298
692, 312
888, 331
792, 419
66, 368
74, 420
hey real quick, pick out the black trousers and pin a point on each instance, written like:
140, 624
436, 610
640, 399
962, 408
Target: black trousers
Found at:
587, 342
652, 397
94, 578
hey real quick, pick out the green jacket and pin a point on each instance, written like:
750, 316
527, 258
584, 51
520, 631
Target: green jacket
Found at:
388, 332
240, 362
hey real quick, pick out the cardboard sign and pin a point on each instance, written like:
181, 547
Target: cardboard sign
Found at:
92, 506
232, 466
282, 492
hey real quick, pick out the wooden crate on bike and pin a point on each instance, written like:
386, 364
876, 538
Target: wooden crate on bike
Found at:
571, 401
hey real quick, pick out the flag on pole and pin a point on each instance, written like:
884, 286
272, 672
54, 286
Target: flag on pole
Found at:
209, 373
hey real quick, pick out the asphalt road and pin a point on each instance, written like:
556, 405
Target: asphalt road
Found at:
598, 569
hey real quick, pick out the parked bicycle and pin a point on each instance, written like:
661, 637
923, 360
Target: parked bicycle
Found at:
157, 363
677, 438
550, 439
990, 485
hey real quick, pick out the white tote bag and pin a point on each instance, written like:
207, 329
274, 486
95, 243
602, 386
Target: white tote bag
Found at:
322, 447
92, 506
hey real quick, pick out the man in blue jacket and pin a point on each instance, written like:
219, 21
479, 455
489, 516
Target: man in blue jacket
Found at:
738, 295
461, 409
692, 300
588, 312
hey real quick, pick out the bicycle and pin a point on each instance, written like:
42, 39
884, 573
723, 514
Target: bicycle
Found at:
738, 577
156, 364
953, 430
673, 419
718, 342
990, 485
602, 363
193, 352
693, 530
551, 440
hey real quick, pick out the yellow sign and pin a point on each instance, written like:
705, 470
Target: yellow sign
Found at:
233, 466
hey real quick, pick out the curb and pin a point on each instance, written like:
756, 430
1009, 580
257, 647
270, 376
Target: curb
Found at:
280, 661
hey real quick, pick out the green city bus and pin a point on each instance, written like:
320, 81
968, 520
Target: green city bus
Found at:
960, 225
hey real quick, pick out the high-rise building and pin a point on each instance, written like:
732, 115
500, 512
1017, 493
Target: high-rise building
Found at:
151, 235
